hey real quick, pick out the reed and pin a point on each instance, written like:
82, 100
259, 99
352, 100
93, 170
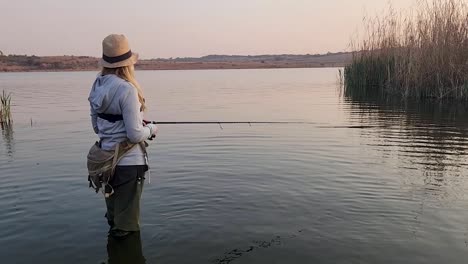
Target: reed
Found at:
5, 108
421, 55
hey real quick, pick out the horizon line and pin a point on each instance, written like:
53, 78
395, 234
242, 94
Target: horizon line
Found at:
191, 57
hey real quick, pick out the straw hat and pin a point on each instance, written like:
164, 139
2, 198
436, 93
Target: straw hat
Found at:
116, 52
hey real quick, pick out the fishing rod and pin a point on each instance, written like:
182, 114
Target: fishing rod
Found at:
261, 122
220, 122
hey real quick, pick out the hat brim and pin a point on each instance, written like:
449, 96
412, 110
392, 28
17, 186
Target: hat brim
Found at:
130, 61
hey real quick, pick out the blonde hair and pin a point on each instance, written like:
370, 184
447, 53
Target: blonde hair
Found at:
128, 74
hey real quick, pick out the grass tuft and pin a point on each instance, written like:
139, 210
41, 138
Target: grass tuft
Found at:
5, 108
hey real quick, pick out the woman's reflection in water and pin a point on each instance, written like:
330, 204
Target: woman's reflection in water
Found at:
125, 251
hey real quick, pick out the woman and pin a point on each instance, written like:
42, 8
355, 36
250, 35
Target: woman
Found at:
117, 105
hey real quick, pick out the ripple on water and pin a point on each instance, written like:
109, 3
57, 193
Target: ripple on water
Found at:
366, 182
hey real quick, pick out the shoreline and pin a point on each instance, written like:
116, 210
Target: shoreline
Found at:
23, 63
177, 69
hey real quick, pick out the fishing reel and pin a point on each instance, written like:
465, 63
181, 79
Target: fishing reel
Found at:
145, 122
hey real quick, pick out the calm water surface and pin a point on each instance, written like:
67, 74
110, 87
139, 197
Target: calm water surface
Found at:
367, 182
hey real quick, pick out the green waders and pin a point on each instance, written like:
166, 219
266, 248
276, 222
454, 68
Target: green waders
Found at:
123, 207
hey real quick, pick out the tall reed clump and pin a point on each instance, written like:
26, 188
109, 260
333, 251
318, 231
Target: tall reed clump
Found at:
418, 56
5, 108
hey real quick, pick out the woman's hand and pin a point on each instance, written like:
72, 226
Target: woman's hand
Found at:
153, 130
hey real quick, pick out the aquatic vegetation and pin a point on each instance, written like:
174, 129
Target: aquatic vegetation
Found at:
419, 56
5, 108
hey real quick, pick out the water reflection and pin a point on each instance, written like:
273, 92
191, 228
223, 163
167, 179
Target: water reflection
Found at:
425, 142
125, 251
8, 139
363, 194
429, 139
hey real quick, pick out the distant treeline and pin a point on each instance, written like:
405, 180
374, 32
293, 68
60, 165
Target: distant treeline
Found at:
24, 62
77, 63
237, 58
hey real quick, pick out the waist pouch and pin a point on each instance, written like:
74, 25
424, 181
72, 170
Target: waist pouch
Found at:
101, 164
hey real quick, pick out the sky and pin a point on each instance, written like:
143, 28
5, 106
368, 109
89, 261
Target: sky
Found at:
185, 28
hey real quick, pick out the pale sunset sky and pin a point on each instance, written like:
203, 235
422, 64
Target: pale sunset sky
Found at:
183, 28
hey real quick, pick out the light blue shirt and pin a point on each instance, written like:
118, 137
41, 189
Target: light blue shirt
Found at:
111, 94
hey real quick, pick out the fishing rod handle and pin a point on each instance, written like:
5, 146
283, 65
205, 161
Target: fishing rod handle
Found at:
145, 122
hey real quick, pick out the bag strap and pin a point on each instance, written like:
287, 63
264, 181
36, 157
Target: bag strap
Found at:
116, 157
115, 160
109, 117
143, 146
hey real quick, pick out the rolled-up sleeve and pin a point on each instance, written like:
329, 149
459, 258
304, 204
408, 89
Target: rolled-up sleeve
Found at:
132, 119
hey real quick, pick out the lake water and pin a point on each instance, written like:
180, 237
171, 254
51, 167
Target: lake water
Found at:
365, 182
